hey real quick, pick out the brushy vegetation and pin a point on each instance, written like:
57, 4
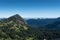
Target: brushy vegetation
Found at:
15, 28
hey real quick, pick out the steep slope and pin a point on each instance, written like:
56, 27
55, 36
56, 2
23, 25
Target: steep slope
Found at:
15, 20
13, 28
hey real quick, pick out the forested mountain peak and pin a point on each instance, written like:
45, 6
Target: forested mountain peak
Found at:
16, 17
12, 27
16, 20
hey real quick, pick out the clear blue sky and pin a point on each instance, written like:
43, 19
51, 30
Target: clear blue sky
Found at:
30, 8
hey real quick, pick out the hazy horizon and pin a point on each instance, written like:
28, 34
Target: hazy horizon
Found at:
30, 8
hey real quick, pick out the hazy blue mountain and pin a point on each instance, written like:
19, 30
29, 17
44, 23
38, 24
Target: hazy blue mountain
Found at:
41, 22
1, 18
55, 24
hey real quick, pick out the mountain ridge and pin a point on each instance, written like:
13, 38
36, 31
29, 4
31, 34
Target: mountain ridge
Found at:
10, 27
41, 22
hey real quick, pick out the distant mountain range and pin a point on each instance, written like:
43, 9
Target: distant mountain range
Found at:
44, 22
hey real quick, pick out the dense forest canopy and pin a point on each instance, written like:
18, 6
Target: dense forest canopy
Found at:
16, 28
